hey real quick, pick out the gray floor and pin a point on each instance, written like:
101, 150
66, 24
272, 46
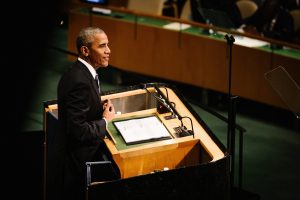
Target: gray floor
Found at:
270, 155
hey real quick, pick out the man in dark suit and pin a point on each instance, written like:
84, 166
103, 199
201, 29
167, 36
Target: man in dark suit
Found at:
81, 114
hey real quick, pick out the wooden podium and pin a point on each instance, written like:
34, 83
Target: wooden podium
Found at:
191, 166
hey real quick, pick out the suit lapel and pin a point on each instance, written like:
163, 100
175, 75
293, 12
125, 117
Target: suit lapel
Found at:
89, 76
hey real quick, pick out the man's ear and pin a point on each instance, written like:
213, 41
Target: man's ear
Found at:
84, 50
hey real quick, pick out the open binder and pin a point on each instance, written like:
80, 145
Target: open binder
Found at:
286, 87
144, 129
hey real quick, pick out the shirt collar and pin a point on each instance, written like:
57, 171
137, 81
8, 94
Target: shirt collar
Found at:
90, 68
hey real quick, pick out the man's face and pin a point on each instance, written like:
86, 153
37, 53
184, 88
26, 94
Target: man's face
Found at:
99, 51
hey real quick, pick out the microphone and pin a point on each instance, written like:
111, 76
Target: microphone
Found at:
163, 106
167, 103
181, 130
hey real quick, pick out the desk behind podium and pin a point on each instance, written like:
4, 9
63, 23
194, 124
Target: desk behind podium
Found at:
182, 166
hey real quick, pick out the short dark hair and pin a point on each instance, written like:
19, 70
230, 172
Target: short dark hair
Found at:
86, 36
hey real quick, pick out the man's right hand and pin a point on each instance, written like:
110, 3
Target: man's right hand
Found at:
109, 110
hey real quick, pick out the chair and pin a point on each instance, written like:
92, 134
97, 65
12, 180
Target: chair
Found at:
296, 17
247, 8
186, 12
154, 7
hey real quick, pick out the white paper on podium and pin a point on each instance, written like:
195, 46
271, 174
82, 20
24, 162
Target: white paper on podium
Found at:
142, 130
176, 26
249, 42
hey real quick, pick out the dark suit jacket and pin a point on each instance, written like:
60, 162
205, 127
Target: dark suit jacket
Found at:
80, 123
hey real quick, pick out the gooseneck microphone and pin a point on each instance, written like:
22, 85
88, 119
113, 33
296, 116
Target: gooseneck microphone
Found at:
181, 131
169, 106
165, 105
